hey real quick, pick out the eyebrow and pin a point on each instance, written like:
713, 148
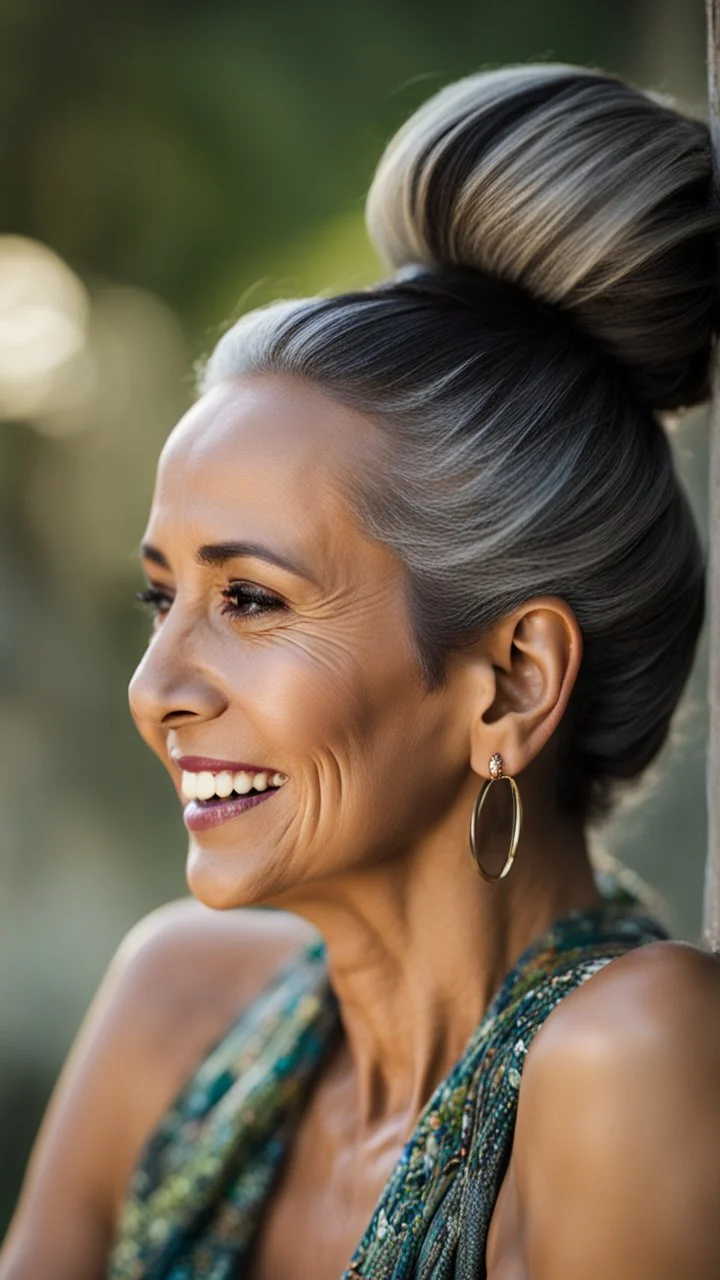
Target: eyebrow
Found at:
213, 554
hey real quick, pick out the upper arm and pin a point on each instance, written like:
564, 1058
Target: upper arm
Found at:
177, 980
617, 1147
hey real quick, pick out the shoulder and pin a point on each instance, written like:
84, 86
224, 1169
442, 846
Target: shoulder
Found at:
187, 958
178, 979
662, 995
618, 1125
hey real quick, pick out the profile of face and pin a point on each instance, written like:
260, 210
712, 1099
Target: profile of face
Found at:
282, 641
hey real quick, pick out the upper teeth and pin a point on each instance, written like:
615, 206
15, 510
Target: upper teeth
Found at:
202, 786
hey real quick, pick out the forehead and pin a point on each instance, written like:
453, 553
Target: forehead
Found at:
262, 454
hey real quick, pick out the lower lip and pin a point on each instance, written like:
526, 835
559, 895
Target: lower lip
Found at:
200, 817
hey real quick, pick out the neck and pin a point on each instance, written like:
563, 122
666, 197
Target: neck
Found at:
418, 945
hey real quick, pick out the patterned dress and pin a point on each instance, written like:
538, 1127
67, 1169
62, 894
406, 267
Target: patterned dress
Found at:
196, 1198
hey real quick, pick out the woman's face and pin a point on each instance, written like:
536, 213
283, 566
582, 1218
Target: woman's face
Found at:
282, 642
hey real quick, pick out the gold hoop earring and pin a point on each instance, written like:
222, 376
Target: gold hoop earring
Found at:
496, 767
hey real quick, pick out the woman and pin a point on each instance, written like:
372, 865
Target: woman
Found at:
421, 566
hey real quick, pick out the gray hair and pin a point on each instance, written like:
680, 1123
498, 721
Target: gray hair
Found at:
555, 241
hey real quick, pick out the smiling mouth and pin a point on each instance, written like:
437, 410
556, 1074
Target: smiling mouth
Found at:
207, 804
208, 789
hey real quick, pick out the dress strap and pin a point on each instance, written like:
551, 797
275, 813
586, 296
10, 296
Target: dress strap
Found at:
208, 1168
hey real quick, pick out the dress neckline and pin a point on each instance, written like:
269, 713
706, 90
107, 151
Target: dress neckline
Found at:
197, 1197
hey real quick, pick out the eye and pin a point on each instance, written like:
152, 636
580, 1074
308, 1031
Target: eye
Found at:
242, 600
157, 601
245, 600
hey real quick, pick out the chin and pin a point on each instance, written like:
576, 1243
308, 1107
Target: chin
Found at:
225, 880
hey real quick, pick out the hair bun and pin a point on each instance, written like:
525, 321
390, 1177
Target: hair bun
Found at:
590, 195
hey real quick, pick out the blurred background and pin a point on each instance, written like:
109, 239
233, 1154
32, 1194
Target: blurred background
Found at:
164, 166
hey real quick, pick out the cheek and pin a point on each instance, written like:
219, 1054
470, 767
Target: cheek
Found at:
367, 749
316, 697
364, 747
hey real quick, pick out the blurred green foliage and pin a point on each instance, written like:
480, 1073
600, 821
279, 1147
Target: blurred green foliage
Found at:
184, 160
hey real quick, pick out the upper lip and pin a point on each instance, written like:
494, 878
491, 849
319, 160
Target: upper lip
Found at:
206, 764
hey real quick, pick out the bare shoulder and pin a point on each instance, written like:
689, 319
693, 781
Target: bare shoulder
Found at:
618, 1127
178, 979
661, 982
187, 959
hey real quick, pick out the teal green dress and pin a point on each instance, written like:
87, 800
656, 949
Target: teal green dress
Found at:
195, 1201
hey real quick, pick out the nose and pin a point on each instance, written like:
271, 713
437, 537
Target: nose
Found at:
170, 686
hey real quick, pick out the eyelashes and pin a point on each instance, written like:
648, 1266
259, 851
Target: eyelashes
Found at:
244, 592
241, 600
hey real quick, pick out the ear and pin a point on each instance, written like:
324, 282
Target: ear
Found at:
535, 654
